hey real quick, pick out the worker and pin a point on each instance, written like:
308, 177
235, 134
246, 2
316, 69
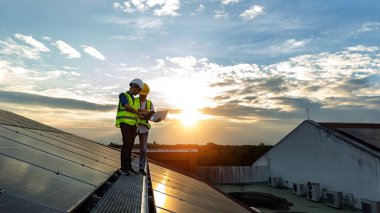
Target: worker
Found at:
143, 126
126, 120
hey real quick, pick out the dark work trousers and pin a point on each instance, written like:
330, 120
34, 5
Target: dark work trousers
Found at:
128, 133
143, 138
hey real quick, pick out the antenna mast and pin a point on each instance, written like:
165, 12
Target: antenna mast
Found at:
307, 112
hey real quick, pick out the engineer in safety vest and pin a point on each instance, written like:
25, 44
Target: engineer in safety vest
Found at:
143, 125
126, 120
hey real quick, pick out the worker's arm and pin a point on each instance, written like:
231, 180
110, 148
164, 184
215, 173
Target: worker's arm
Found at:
124, 102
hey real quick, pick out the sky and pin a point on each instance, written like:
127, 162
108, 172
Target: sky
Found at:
229, 71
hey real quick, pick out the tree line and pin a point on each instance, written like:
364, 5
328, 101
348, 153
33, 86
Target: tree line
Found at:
213, 154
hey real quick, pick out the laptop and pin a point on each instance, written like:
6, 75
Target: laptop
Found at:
159, 114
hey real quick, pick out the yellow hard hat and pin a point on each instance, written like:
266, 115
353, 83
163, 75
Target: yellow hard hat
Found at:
145, 90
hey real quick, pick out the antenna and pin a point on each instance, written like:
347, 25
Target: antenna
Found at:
307, 112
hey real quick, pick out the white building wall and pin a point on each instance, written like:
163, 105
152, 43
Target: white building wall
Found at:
312, 154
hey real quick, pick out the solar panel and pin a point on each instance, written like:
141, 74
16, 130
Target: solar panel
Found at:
43, 169
174, 191
370, 136
41, 186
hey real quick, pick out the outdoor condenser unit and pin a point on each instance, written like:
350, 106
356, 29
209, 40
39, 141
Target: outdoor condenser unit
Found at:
274, 181
299, 189
313, 191
334, 199
369, 206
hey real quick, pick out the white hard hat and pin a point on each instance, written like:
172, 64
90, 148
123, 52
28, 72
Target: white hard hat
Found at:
138, 82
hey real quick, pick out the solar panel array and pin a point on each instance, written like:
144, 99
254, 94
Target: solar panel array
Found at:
175, 192
43, 169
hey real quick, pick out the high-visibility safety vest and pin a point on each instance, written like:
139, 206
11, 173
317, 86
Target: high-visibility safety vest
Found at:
148, 106
124, 116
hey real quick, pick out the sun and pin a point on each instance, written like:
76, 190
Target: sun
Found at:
190, 117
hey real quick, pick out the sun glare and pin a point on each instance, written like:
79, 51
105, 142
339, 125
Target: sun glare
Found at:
190, 117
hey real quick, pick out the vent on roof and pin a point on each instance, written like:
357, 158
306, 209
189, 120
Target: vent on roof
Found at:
369, 206
335, 199
313, 191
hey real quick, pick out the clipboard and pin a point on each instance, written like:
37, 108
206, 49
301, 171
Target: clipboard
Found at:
159, 114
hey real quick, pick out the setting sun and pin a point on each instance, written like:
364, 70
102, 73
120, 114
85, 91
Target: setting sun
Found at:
190, 117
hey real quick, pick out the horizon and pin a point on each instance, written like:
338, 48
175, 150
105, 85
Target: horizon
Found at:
230, 72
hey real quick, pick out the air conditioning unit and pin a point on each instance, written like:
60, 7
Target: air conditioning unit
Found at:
299, 189
313, 191
274, 181
334, 199
369, 206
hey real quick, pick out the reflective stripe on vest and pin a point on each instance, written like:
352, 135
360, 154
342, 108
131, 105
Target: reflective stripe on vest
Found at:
148, 106
124, 116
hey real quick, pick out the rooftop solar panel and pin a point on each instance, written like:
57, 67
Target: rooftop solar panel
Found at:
41, 186
174, 191
43, 169
12, 119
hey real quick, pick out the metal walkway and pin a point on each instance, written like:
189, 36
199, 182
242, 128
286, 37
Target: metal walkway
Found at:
125, 195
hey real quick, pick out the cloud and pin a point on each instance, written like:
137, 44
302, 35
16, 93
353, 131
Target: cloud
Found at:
369, 26
252, 12
229, 1
93, 52
144, 23
221, 14
183, 62
11, 48
31, 49
32, 42
29, 100
362, 48
159, 7
66, 49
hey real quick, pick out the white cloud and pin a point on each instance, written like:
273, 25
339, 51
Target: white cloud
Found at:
160, 64
184, 62
32, 42
229, 1
168, 7
200, 8
362, 48
369, 26
66, 49
144, 23
10, 47
159, 7
93, 52
252, 12
140, 6
221, 14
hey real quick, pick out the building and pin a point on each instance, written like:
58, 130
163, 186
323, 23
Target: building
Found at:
340, 157
44, 169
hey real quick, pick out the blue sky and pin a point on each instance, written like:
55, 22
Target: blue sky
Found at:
229, 71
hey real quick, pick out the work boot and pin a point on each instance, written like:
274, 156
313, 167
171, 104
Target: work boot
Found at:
142, 172
123, 171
